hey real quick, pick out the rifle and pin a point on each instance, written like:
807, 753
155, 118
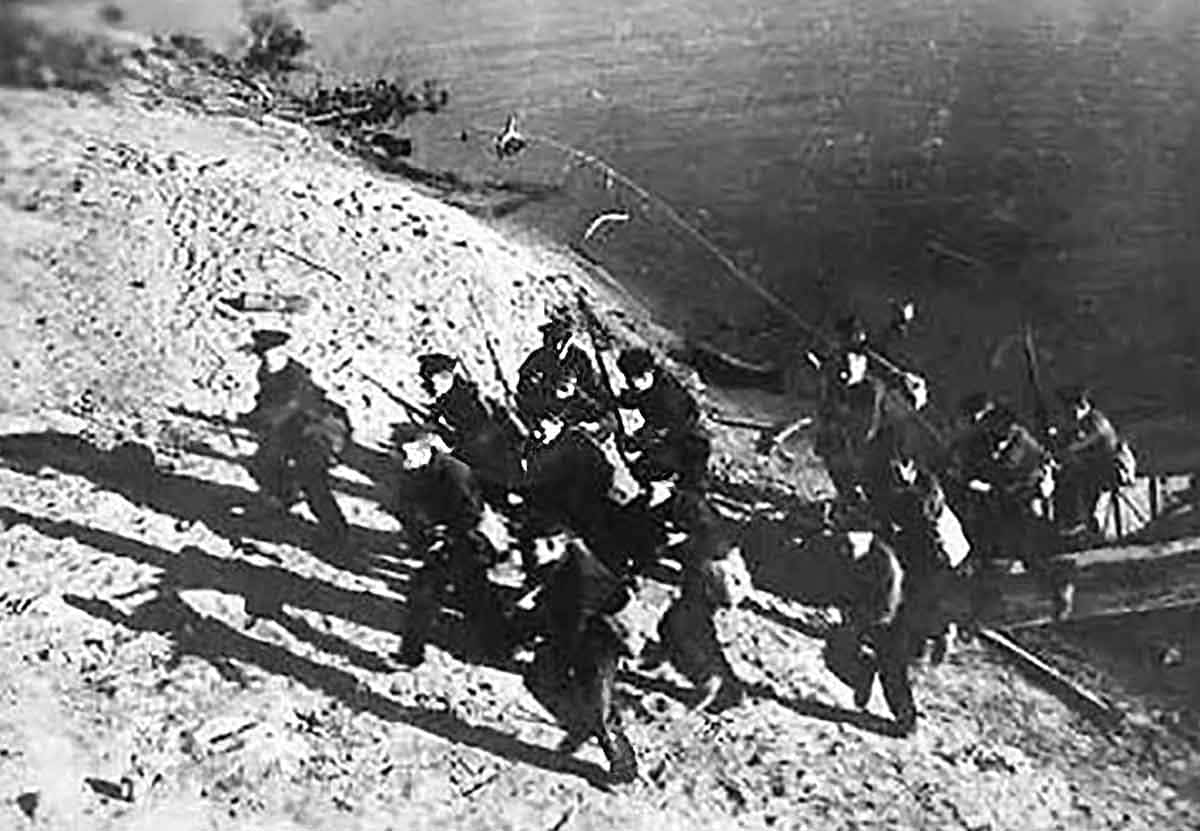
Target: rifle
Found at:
510, 402
601, 339
416, 410
1033, 372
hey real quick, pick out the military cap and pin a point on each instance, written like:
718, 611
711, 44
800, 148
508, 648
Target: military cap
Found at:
635, 361
1075, 394
976, 404
408, 433
264, 340
560, 323
435, 363
851, 330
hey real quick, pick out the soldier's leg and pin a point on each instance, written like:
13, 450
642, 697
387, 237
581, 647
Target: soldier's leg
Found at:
480, 601
595, 673
694, 453
893, 648
269, 469
424, 590
312, 473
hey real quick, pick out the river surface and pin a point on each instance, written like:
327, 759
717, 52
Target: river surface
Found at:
1002, 161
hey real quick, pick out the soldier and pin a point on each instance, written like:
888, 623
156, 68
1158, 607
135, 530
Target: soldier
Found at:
1087, 444
475, 429
672, 442
1008, 478
714, 577
928, 538
575, 668
546, 365
458, 408
849, 419
301, 435
879, 635
577, 408
569, 480
440, 503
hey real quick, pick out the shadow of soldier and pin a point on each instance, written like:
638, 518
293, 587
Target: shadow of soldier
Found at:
806, 707
130, 470
193, 568
214, 641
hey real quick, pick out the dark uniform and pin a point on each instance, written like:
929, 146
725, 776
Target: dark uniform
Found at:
913, 512
848, 421
882, 618
302, 433
1088, 446
672, 440
568, 482
687, 630
1012, 520
477, 432
441, 506
540, 372
575, 668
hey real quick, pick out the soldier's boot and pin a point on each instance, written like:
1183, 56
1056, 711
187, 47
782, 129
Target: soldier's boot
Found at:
422, 606
622, 761
941, 646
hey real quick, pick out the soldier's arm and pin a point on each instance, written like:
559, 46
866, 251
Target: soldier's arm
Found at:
1099, 431
880, 392
892, 594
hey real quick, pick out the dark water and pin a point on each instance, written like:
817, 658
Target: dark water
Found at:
823, 145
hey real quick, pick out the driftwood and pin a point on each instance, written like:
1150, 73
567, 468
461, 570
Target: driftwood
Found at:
743, 423
951, 254
1092, 703
1111, 581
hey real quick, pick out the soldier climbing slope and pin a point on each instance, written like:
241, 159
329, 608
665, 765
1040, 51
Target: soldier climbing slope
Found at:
672, 443
1006, 480
879, 635
301, 434
575, 667
480, 432
714, 576
1088, 447
558, 356
926, 535
849, 418
440, 504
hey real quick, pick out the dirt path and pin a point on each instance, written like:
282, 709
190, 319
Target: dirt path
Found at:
138, 694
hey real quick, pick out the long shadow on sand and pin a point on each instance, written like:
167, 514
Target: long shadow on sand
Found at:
193, 568
806, 707
218, 643
129, 470
374, 465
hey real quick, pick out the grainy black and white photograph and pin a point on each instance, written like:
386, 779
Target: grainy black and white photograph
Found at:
648, 415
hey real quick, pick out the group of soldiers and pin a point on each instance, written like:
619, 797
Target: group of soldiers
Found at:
934, 517
589, 505
592, 503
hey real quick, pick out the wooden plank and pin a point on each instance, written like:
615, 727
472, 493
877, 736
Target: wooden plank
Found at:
1116, 580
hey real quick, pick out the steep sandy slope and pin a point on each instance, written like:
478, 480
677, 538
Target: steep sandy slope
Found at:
128, 654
